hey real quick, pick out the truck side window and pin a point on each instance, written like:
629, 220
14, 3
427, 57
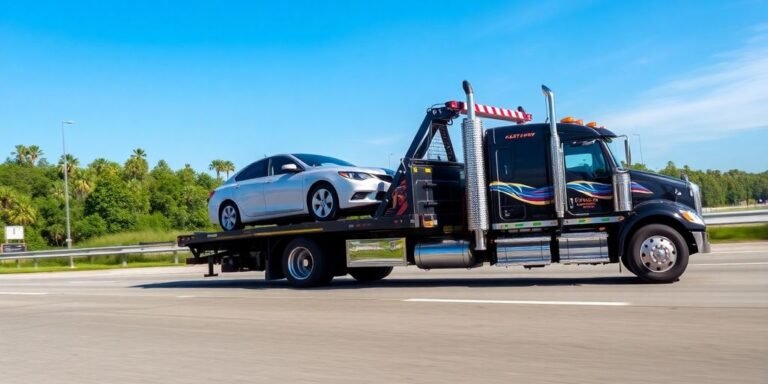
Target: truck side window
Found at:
584, 160
257, 169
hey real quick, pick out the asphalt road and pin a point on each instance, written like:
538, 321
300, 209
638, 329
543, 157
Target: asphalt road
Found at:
561, 324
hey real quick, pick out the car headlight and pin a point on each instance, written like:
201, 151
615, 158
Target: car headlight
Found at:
355, 175
691, 217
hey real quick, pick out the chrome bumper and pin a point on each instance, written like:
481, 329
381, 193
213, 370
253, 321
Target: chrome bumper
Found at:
702, 241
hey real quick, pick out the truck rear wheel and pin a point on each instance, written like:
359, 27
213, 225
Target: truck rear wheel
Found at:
305, 264
657, 254
368, 274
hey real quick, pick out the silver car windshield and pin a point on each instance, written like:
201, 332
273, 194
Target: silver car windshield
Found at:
321, 161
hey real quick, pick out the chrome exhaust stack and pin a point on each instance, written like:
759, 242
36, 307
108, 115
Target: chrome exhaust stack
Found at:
474, 162
556, 153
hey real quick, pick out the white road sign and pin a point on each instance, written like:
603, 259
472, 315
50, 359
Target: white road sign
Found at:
14, 232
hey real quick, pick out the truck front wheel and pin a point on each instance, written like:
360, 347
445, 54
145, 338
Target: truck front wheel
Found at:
657, 254
368, 274
305, 264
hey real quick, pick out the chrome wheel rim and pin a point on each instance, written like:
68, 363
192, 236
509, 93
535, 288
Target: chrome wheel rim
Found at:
228, 217
658, 254
322, 203
300, 263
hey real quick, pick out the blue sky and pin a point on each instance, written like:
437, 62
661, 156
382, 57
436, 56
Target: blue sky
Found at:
195, 81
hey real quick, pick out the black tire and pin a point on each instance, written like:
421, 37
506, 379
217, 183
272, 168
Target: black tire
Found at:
226, 220
323, 202
306, 265
368, 274
657, 253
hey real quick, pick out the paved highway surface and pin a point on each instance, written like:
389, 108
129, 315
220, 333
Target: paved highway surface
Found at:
561, 324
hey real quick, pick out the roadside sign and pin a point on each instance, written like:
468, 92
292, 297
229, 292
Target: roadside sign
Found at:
14, 232
14, 247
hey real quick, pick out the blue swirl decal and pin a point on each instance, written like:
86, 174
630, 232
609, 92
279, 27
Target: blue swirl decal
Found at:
524, 193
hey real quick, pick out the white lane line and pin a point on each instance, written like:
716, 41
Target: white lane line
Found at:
92, 282
755, 263
731, 252
24, 293
524, 302
185, 297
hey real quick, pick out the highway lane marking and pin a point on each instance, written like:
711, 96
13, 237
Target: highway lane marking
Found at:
524, 302
24, 293
713, 264
731, 252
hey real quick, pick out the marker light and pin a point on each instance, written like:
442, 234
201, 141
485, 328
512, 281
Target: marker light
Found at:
691, 217
592, 124
571, 120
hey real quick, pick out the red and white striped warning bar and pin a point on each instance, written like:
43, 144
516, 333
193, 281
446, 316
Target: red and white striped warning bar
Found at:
518, 116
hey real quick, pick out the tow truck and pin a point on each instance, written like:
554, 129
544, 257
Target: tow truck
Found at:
525, 195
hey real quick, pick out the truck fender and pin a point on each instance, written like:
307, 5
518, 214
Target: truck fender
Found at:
657, 212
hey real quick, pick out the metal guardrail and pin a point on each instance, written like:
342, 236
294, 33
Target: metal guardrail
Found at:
125, 250
736, 217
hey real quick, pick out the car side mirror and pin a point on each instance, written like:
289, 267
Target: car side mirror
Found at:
290, 167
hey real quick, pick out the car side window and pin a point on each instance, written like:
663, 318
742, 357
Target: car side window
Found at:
277, 163
257, 169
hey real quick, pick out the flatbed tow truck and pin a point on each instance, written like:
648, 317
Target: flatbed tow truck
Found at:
526, 195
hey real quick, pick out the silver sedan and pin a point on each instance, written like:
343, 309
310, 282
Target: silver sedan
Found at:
293, 186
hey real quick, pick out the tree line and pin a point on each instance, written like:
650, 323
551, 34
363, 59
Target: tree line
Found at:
718, 188
105, 196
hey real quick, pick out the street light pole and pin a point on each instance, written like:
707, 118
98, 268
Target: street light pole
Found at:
66, 189
640, 144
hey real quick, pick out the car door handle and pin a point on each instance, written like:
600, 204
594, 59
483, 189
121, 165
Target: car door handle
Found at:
237, 185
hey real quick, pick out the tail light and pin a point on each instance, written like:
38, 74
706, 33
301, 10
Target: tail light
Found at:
210, 195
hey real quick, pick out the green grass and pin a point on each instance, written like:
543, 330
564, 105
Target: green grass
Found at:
131, 238
720, 234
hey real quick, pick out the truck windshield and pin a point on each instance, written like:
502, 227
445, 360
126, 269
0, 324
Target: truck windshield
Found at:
321, 161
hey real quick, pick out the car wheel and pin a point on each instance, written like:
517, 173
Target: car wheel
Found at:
229, 217
305, 264
657, 254
323, 202
368, 274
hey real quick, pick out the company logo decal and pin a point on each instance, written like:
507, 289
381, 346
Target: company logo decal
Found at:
522, 135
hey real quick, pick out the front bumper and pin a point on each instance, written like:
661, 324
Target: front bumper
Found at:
702, 242
369, 188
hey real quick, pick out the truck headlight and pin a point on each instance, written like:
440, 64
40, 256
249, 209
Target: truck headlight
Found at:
691, 216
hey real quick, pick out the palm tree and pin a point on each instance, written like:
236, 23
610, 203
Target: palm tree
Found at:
22, 214
139, 153
228, 166
33, 153
81, 183
218, 166
21, 154
8, 197
136, 167
72, 164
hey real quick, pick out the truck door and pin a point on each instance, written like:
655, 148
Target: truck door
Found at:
588, 178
